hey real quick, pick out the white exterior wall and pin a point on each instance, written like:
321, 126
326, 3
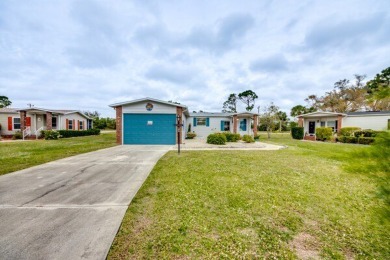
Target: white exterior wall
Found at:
140, 108
4, 123
61, 124
203, 131
374, 122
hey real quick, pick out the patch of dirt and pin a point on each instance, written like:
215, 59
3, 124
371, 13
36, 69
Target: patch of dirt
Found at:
304, 246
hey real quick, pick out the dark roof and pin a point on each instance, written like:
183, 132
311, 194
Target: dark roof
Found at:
365, 113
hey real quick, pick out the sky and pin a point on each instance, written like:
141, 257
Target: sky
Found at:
86, 54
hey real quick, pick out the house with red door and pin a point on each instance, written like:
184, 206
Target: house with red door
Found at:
30, 121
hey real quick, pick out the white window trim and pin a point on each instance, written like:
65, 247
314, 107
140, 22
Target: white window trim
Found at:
13, 123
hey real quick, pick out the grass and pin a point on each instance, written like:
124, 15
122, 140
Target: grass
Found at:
20, 155
300, 202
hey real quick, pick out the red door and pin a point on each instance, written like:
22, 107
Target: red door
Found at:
28, 121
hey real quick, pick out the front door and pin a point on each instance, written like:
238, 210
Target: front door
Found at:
312, 127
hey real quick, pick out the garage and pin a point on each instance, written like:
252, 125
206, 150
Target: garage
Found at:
149, 121
149, 129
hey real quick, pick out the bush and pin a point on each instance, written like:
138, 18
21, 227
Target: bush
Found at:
257, 137
191, 135
74, 133
323, 133
248, 139
51, 135
231, 137
297, 132
348, 139
366, 133
366, 140
17, 135
348, 131
217, 138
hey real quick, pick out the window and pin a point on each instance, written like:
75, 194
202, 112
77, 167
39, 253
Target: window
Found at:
89, 124
322, 123
70, 124
226, 126
333, 125
81, 125
16, 123
54, 122
200, 121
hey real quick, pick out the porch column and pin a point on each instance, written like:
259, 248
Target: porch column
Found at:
255, 125
118, 119
49, 119
179, 112
22, 120
339, 123
300, 122
235, 124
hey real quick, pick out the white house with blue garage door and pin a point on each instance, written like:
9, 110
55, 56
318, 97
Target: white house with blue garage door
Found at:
153, 121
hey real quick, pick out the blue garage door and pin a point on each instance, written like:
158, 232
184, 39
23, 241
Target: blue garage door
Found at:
149, 129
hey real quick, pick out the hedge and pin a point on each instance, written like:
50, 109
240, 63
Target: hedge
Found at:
323, 133
217, 138
74, 133
51, 134
366, 133
231, 137
366, 140
190, 136
348, 139
248, 139
348, 131
297, 133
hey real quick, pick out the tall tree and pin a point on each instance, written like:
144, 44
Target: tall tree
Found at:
299, 110
230, 105
269, 118
4, 101
378, 90
248, 97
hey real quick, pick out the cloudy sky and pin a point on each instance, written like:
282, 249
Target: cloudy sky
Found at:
88, 54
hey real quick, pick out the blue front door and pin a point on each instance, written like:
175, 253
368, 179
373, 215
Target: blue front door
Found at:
149, 129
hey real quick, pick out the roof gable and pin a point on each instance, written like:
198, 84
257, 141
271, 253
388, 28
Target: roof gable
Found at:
147, 99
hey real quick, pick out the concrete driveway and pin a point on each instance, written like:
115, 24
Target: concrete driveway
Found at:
71, 208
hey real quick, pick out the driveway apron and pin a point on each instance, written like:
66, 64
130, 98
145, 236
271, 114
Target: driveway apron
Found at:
73, 207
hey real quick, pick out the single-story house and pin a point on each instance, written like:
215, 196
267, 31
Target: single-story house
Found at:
375, 120
32, 120
153, 121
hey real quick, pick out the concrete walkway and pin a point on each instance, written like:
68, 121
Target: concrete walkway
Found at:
71, 208
200, 144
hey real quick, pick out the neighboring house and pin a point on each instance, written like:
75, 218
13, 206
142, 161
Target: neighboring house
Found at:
32, 120
375, 120
153, 121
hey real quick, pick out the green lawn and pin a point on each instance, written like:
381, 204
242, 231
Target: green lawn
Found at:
301, 202
23, 154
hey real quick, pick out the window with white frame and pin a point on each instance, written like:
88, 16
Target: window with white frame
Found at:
54, 122
322, 123
81, 125
332, 124
226, 126
200, 121
70, 124
16, 123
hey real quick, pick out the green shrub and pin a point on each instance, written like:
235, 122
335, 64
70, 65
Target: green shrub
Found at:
248, 139
348, 131
366, 140
324, 133
191, 135
217, 138
51, 135
297, 132
231, 137
74, 133
17, 135
366, 133
257, 137
348, 139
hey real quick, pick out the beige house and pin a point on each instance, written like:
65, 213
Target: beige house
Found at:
374, 120
32, 120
